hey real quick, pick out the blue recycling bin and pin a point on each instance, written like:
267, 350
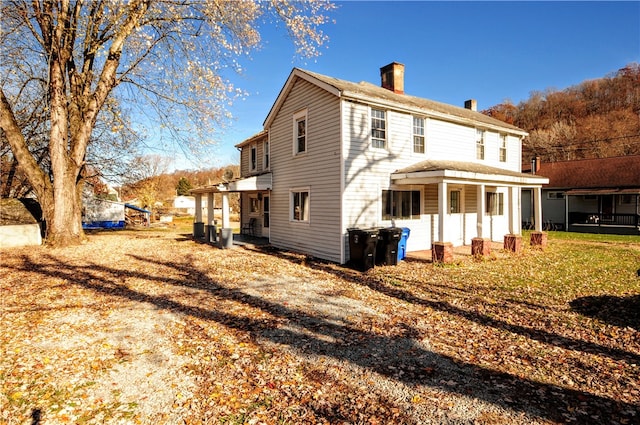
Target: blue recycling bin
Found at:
402, 243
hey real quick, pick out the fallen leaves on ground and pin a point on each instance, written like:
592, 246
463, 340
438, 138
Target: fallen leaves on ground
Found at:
154, 328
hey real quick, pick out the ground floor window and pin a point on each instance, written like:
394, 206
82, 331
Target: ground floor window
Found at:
300, 205
400, 204
495, 203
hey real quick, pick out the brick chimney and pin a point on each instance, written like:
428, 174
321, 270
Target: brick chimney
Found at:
392, 77
471, 104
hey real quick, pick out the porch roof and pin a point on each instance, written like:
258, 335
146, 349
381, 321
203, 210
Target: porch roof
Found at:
435, 171
603, 192
247, 184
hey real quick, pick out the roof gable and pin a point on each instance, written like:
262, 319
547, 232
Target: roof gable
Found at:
616, 172
376, 95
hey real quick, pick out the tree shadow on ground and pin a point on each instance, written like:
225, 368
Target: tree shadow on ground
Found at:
540, 335
400, 357
618, 311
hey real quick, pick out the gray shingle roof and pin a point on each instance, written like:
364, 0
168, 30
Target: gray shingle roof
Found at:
469, 167
365, 90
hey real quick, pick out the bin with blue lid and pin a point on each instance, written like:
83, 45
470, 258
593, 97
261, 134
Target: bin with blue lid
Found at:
387, 248
402, 244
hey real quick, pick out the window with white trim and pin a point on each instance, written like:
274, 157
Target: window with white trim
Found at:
253, 165
503, 148
265, 153
300, 205
418, 135
300, 132
454, 202
378, 129
479, 144
254, 205
400, 204
555, 195
494, 203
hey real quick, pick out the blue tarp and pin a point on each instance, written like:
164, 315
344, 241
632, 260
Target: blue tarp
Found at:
133, 207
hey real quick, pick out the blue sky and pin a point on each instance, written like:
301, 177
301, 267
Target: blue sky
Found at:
452, 51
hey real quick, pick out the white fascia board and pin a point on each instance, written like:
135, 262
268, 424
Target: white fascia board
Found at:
288, 85
430, 113
431, 177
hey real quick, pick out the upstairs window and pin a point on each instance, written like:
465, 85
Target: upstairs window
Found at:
503, 148
418, 135
378, 129
400, 204
300, 132
265, 152
253, 165
479, 144
495, 203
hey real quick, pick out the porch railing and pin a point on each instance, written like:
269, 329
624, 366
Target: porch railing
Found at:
597, 219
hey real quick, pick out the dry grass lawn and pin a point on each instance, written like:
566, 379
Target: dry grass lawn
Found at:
151, 327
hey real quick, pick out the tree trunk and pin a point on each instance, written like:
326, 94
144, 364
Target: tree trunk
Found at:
64, 218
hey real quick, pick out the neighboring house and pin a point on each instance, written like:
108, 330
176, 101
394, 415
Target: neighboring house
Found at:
592, 195
185, 204
336, 155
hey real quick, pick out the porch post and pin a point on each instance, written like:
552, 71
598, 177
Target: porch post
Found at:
442, 210
566, 212
198, 208
225, 210
481, 207
537, 204
514, 226
210, 207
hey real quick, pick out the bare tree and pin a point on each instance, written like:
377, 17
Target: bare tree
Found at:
166, 56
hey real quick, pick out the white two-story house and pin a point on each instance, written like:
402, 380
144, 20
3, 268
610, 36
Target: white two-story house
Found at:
336, 155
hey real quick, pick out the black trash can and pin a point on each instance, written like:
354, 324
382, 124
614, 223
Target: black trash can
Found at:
198, 230
362, 248
387, 249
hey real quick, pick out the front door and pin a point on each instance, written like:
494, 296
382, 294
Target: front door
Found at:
607, 207
265, 215
455, 231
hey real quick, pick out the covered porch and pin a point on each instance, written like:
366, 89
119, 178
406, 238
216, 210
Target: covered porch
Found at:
612, 211
222, 232
471, 203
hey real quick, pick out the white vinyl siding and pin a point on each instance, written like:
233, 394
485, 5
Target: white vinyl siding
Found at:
318, 170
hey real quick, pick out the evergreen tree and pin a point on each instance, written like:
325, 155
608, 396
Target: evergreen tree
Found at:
183, 187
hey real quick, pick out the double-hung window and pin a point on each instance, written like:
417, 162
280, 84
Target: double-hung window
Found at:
400, 204
300, 205
265, 153
495, 203
254, 158
503, 148
300, 132
378, 129
479, 144
418, 135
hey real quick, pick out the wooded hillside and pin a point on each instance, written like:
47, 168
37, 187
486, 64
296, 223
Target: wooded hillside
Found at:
594, 119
